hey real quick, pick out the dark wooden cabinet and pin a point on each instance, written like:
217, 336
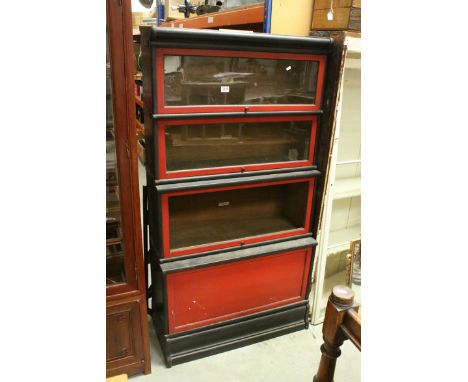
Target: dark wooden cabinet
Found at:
233, 125
124, 342
127, 346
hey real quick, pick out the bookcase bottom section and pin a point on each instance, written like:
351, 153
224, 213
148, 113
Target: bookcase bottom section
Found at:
126, 349
199, 343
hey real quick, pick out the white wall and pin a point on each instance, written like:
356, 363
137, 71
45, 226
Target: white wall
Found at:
137, 7
291, 17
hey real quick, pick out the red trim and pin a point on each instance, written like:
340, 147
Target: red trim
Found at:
305, 275
236, 242
162, 125
313, 137
229, 169
162, 108
240, 187
167, 252
161, 149
165, 224
238, 308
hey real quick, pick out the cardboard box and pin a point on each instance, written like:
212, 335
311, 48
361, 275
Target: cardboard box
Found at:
346, 15
137, 18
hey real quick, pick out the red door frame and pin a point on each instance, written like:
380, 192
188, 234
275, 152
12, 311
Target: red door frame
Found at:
163, 124
235, 242
159, 70
238, 311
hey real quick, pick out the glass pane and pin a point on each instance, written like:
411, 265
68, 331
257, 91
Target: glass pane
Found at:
229, 144
205, 80
115, 264
234, 214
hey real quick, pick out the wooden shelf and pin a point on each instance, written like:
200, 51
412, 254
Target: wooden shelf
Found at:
114, 240
189, 234
139, 127
353, 43
346, 188
240, 16
339, 240
138, 101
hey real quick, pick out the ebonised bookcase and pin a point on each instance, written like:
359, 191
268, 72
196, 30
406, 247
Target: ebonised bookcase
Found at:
237, 129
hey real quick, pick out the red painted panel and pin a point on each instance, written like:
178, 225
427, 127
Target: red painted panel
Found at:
218, 293
164, 174
167, 252
159, 70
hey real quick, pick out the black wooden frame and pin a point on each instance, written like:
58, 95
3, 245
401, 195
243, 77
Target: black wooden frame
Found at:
215, 338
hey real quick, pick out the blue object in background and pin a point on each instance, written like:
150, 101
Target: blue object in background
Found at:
267, 17
160, 13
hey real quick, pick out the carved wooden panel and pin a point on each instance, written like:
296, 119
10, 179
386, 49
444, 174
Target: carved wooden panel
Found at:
123, 335
120, 343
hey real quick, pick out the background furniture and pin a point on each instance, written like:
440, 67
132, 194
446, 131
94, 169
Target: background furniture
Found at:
342, 322
249, 17
270, 16
127, 349
341, 216
336, 15
233, 186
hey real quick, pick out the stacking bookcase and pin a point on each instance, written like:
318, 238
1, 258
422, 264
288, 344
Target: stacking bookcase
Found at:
232, 122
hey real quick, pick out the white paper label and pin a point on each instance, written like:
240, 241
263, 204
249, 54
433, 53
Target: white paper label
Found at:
224, 89
181, 25
210, 19
223, 204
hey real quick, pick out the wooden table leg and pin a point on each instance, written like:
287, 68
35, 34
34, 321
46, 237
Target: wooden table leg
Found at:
340, 300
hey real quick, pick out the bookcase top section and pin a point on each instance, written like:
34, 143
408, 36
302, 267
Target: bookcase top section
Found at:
213, 39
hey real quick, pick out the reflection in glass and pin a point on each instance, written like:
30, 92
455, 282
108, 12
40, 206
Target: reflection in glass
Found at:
209, 217
209, 80
230, 144
115, 268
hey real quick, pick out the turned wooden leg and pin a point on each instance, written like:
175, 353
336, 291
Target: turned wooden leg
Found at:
340, 300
